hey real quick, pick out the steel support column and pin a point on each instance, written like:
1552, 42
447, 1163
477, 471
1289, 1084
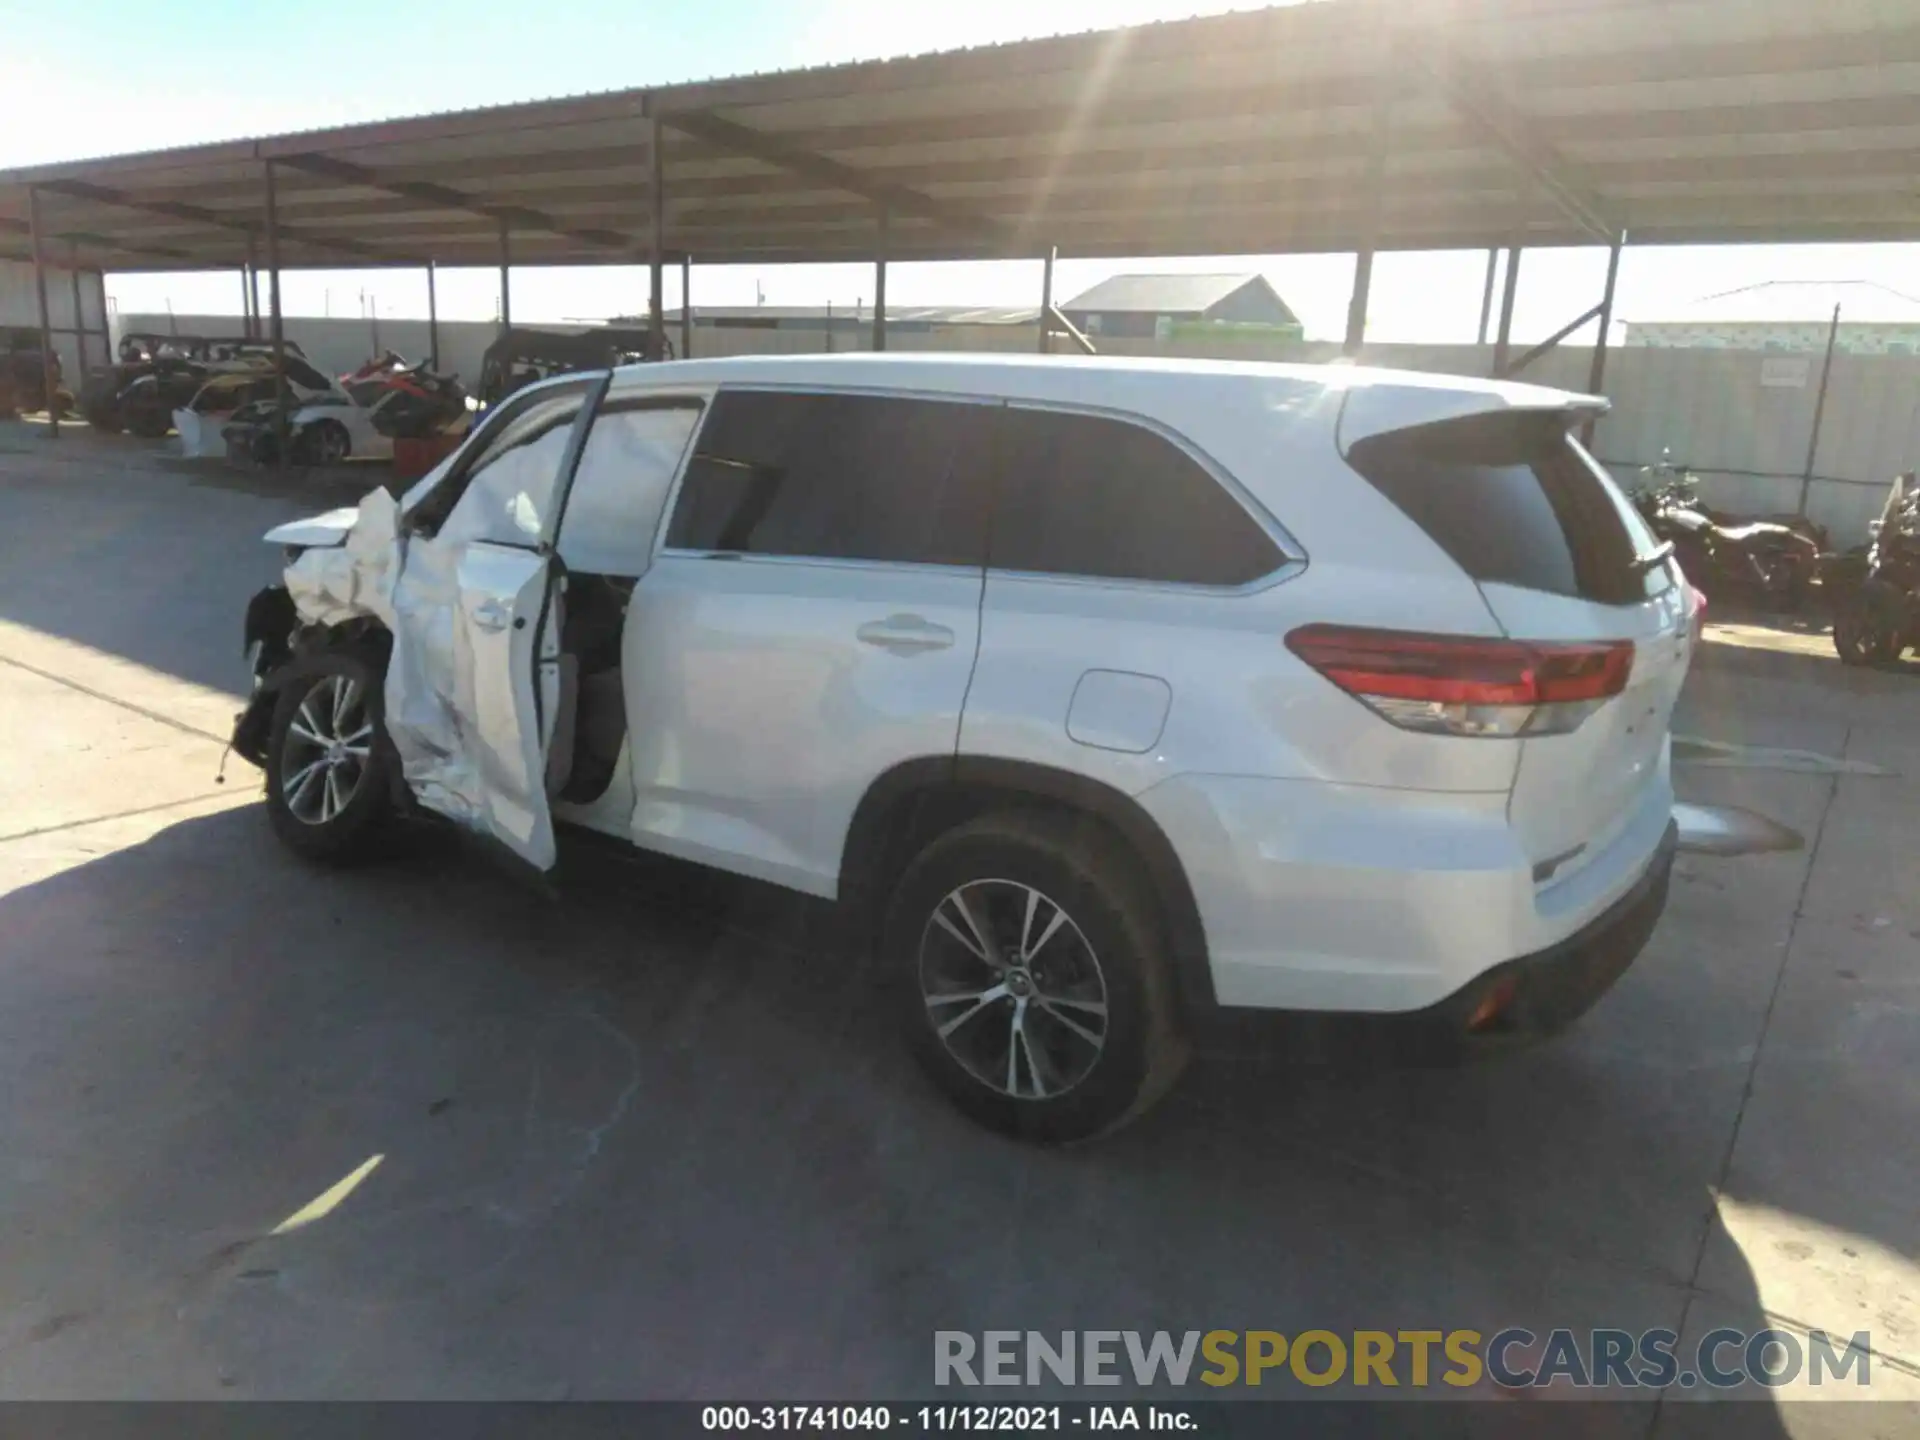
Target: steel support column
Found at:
880, 284
656, 242
1046, 300
1375, 197
1486, 294
36, 227
79, 317
506, 283
276, 325
1597, 372
106, 323
250, 292
433, 320
1819, 413
1511, 289
686, 307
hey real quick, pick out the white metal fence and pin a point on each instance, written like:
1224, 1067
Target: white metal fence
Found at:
1743, 420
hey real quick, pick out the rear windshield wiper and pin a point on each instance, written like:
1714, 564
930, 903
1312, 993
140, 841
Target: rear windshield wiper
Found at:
1653, 558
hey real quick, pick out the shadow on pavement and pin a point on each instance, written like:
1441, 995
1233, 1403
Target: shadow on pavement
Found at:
657, 1142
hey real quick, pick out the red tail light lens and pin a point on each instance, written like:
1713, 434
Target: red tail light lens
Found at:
1457, 685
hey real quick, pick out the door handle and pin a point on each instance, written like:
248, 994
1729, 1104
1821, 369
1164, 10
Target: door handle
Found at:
905, 634
491, 615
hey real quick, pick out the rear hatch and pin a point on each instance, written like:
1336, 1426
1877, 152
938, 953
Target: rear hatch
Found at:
1560, 555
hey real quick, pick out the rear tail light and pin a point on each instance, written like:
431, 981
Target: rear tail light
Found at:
1456, 685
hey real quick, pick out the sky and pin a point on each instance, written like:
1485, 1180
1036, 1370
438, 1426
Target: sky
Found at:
140, 75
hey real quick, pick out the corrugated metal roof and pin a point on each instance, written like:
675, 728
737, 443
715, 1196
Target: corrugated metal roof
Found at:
1158, 294
1538, 121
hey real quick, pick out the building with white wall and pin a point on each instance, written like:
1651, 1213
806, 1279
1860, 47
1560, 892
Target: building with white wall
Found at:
1792, 316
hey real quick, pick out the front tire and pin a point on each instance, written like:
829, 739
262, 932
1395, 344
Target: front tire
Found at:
1032, 977
328, 762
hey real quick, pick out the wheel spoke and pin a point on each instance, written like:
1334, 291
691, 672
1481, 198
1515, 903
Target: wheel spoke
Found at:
345, 694
973, 937
1053, 928
330, 797
296, 789
1014, 1027
1093, 1039
1033, 1059
363, 733
1092, 1007
986, 998
297, 729
314, 727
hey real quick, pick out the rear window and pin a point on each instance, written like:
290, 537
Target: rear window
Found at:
1515, 500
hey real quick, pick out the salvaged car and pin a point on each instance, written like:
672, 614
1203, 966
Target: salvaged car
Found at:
1117, 698
521, 357
157, 375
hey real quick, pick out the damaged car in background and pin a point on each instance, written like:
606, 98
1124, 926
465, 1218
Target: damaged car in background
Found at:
155, 376
1116, 701
356, 418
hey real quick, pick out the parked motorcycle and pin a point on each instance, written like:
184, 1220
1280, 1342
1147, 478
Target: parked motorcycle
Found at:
1761, 560
1678, 479
1880, 617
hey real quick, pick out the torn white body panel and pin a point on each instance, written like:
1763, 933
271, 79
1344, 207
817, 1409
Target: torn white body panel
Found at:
464, 621
199, 430
327, 529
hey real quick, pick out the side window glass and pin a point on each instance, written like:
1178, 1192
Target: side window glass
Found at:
1092, 496
509, 487
626, 467
852, 477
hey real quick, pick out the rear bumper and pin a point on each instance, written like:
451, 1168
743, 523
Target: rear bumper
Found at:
1325, 897
1543, 993
1511, 1005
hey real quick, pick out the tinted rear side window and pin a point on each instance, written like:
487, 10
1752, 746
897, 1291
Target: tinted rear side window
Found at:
1088, 495
850, 477
1515, 501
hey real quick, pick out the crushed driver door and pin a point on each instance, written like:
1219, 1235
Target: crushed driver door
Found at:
473, 682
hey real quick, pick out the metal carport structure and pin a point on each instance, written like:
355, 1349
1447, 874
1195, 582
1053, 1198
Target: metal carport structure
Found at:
1360, 125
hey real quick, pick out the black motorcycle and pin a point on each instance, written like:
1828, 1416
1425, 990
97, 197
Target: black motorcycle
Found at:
1763, 561
1880, 617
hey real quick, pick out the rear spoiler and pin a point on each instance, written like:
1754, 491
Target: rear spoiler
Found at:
1402, 402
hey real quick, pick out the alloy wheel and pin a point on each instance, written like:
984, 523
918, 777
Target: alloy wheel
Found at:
328, 750
1013, 989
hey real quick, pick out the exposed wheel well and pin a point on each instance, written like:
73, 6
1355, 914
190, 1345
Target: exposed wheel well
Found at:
906, 808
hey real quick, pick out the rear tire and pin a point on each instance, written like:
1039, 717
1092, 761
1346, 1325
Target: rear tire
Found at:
149, 425
329, 764
1032, 977
1866, 629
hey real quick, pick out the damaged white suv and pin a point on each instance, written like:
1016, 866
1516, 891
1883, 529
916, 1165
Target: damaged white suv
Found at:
1126, 696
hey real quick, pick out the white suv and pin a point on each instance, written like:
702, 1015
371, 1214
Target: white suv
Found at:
1123, 694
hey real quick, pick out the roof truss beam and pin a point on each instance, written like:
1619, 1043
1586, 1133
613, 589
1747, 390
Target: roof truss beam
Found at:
520, 217
99, 242
1479, 99
200, 215
738, 139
